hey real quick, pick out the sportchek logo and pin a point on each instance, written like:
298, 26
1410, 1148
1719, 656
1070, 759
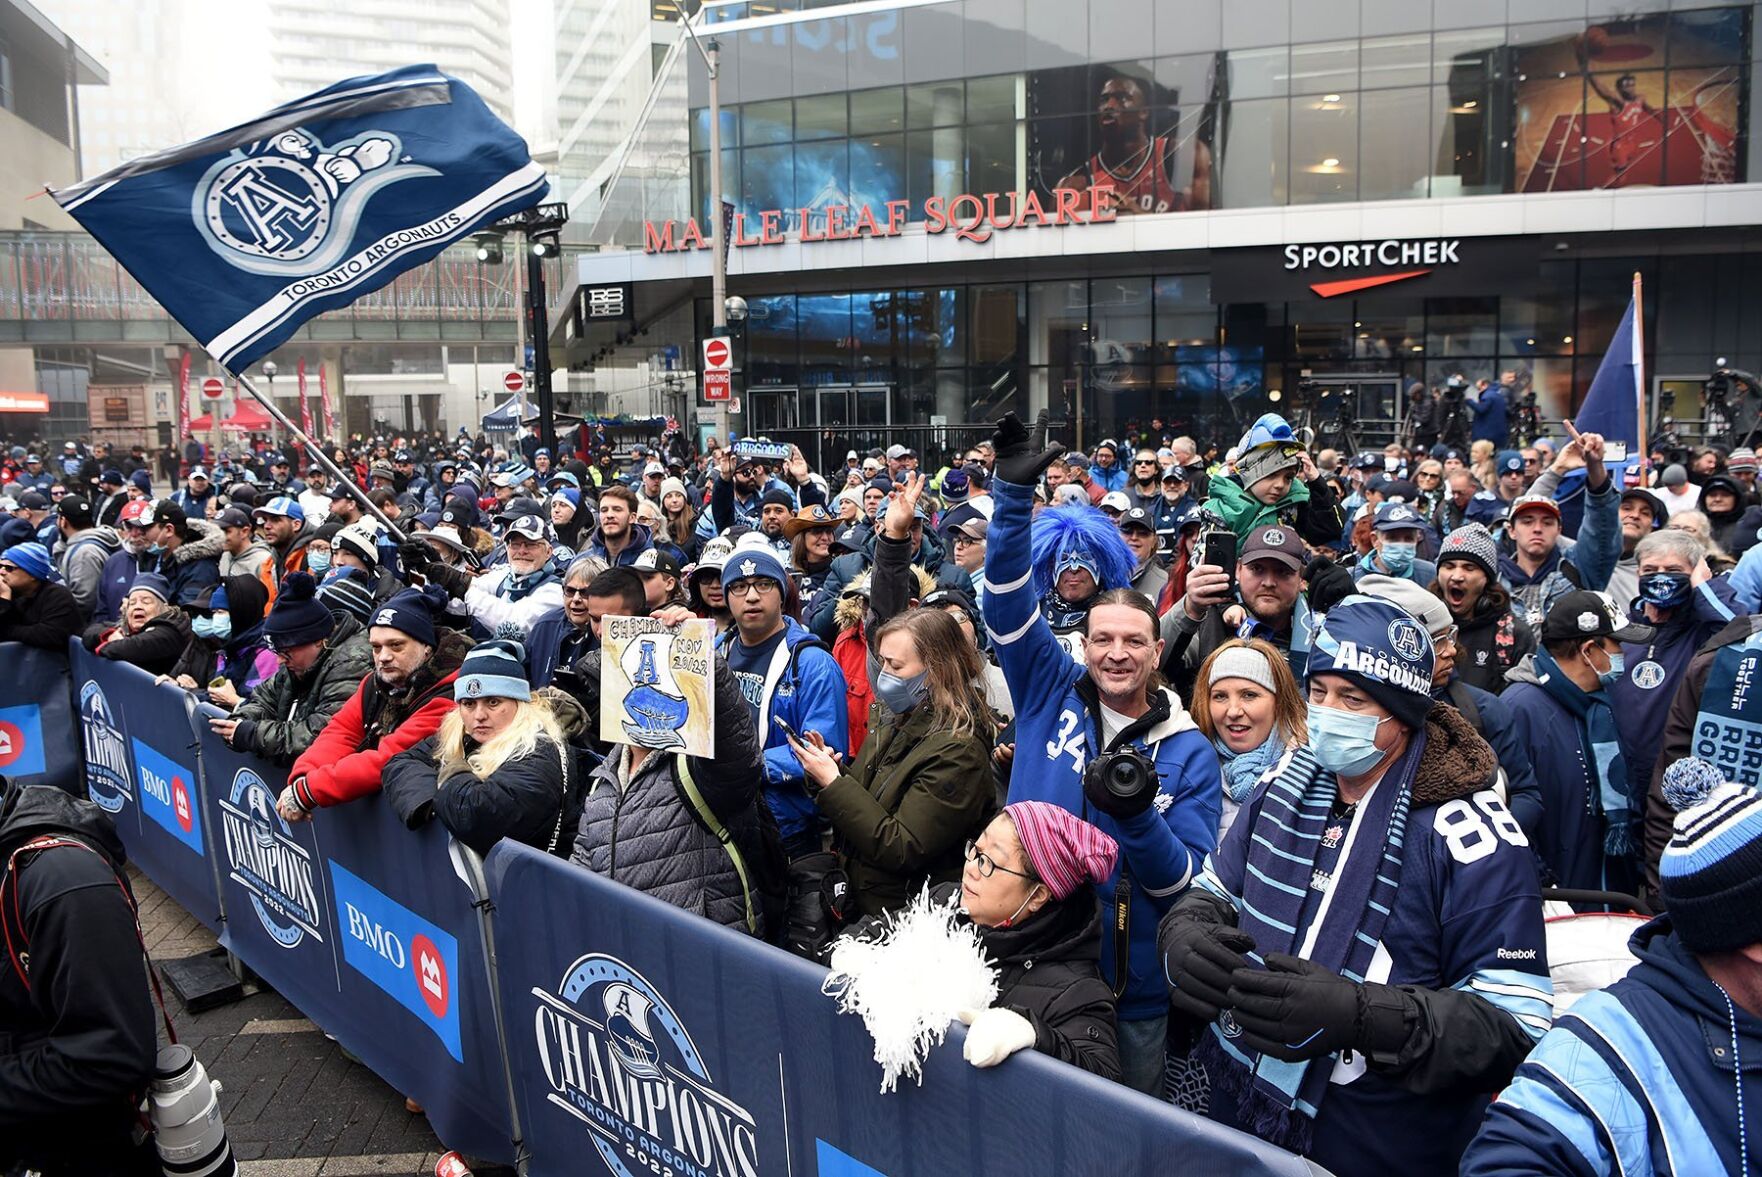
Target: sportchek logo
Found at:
1409, 259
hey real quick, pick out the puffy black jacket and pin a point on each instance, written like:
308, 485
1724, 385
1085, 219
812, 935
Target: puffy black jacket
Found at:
45, 619
283, 716
156, 649
77, 1045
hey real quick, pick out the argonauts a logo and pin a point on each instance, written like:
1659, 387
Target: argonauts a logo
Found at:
617, 1058
263, 858
107, 764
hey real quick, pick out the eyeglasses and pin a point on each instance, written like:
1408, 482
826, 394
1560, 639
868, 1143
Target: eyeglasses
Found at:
5, 568
758, 584
570, 590
987, 864
1427, 475
1446, 636
1144, 462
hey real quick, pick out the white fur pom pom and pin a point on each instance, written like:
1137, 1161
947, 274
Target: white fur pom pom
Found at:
908, 983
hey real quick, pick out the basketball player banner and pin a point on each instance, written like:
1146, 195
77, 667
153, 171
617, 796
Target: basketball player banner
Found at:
655, 689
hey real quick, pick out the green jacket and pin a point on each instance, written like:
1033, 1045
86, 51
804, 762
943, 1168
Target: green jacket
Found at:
902, 813
282, 717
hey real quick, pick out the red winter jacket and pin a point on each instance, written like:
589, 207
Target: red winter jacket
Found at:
851, 652
345, 761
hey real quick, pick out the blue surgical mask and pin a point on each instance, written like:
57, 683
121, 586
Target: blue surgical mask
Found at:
1342, 741
317, 563
902, 694
218, 627
1398, 557
1664, 589
155, 549
1616, 672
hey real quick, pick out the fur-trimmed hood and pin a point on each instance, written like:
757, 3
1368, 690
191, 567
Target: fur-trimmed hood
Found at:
1456, 761
852, 609
205, 542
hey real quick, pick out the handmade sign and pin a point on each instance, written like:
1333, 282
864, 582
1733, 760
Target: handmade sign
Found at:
655, 689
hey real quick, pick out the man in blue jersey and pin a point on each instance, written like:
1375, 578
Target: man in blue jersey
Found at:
1363, 955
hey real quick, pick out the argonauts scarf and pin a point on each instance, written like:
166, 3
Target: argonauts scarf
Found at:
1278, 1101
1596, 724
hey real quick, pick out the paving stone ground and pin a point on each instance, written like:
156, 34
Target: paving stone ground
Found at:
294, 1105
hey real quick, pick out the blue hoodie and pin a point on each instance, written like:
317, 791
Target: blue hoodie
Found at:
1637, 1079
1056, 709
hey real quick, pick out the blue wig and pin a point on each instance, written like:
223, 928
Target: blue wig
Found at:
1062, 535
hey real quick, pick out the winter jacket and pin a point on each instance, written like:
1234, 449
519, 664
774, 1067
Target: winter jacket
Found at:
1463, 947
492, 602
1586, 564
194, 505
533, 799
1151, 578
1746, 580
1635, 1079
1491, 639
1318, 517
1489, 715
81, 565
639, 827
77, 1047
155, 649
932, 556
1108, 478
346, 759
544, 645
641, 540
1057, 731
727, 509
194, 566
1490, 413
805, 689
902, 813
256, 561
45, 619
283, 716
291, 556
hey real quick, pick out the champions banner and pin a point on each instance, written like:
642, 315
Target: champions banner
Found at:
245, 235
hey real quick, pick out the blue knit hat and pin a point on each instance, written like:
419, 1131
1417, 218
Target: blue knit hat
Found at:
297, 617
32, 558
412, 611
750, 562
495, 669
151, 582
1382, 649
1710, 873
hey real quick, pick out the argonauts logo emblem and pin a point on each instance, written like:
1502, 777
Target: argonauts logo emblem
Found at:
618, 1059
107, 765
289, 205
263, 858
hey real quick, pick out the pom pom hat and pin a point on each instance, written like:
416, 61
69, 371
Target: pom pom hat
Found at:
493, 669
1710, 873
298, 617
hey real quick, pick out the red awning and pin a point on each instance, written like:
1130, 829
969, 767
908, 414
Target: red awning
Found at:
248, 417
201, 424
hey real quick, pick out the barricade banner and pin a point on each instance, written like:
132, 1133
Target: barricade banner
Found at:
369, 929
39, 744
141, 766
660, 1043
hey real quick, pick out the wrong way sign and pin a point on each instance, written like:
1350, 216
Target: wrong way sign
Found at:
213, 389
718, 368
514, 381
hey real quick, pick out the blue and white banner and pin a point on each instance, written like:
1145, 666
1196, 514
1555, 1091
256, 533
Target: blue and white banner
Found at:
39, 743
1617, 396
246, 234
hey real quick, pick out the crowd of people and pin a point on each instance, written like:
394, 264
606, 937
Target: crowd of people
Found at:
1250, 772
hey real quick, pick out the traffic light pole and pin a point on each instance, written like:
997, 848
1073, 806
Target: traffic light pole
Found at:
539, 333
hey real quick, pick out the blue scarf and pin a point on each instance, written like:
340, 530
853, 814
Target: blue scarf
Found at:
519, 585
1243, 770
1278, 1101
1602, 748
1302, 635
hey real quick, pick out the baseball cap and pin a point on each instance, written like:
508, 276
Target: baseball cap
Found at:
1400, 488
1534, 503
1660, 513
166, 511
1137, 517
851, 539
1274, 543
1674, 475
529, 526
1398, 517
811, 516
76, 511
1586, 614
1114, 500
198, 472
1508, 462
1367, 461
562, 478
654, 469
975, 528
284, 506
232, 517
34, 500
111, 477
135, 512
656, 561
896, 452
1174, 474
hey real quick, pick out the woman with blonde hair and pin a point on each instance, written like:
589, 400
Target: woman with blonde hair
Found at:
500, 766
921, 787
1480, 463
1247, 702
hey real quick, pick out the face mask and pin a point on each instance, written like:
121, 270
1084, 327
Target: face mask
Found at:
1616, 672
902, 694
1398, 557
1343, 742
155, 549
1391, 464
1664, 589
218, 627
317, 563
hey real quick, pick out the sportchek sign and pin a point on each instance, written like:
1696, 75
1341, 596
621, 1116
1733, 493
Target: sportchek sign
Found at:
1434, 266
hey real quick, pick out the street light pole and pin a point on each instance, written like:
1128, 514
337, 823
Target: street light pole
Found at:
712, 55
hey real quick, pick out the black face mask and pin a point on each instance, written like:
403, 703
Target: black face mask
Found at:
1666, 590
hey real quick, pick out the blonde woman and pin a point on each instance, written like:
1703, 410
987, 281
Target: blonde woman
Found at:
921, 787
498, 768
1247, 702
1480, 463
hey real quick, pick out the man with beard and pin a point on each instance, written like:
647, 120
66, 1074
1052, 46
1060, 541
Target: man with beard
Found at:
1135, 169
1642, 513
776, 509
619, 539
323, 656
736, 494
1491, 636
1265, 601
1145, 487
513, 594
281, 523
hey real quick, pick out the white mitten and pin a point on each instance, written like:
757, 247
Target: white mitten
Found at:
994, 1034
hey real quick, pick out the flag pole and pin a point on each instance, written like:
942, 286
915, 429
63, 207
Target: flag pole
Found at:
1639, 357
317, 454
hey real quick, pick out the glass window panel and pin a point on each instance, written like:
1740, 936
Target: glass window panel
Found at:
767, 177
1324, 148
997, 325
1395, 143
1327, 68
935, 165
822, 174
700, 128
874, 112
821, 117
1385, 62
1260, 73
1470, 54
1460, 326
1539, 325
1468, 158
1058, 149
1714, 36
991, 100
877, 171
1387, 328
935, 104
1254, 169
766, 122
770, 338
991, 158
825, 338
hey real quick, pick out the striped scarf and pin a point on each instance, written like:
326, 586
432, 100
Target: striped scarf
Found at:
1278, 1101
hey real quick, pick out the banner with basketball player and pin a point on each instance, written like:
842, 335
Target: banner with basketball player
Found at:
1643, 102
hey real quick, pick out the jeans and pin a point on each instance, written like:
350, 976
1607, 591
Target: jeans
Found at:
1143, 1049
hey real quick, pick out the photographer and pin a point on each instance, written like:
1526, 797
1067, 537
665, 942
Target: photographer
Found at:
1155, 786
1422, 418
1491, 410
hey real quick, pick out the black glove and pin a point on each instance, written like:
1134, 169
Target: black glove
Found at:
1021, 458
1329, 583
454, 580
1199, 956
414, 556
1295, 1010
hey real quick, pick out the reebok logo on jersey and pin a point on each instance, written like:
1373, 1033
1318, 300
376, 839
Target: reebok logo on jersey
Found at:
1516, 954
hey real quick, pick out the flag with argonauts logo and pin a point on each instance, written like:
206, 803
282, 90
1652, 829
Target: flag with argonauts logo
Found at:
245, 235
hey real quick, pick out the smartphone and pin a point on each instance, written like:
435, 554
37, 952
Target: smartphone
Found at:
1217, 547
787, 730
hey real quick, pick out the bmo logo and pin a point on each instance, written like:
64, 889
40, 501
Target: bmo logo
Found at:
21, 741
167, 791
410, 960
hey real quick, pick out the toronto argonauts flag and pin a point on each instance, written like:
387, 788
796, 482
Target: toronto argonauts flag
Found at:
1617, 395
246, 234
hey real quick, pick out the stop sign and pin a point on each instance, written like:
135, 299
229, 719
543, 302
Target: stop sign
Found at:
213, 388
514, 382
716, 352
